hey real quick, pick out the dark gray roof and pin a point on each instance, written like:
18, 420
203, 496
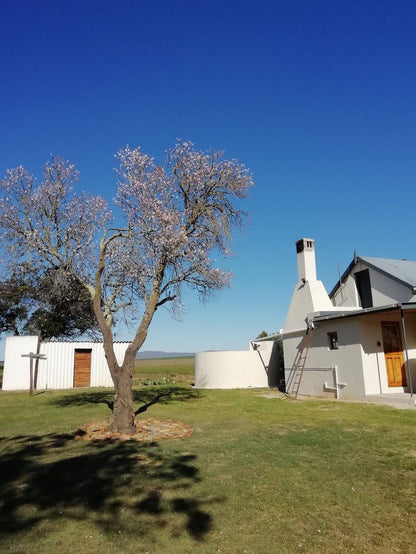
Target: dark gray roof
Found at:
403, 271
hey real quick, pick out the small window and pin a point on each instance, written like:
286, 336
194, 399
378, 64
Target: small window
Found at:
333, 340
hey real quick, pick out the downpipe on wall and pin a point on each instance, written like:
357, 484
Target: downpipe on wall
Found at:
338, 386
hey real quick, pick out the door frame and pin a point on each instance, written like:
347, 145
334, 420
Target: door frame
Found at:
392, 356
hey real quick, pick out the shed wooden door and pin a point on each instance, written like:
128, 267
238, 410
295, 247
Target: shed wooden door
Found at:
393, 353
82, 367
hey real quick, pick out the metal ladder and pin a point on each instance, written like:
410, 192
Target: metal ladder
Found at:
301, 359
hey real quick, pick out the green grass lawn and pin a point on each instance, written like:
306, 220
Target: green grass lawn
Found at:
258, 475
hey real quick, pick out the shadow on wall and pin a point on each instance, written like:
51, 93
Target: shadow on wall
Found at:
291, 375
412, 370
135, 488
276, 369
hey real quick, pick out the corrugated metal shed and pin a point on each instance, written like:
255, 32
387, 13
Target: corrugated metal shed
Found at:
57, 371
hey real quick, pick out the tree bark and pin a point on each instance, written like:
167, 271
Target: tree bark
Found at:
123, 410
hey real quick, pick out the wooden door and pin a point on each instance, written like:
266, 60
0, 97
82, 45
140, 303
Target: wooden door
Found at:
82, 367
393, 353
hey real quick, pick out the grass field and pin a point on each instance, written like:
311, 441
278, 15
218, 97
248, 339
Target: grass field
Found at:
165, 370
259, 474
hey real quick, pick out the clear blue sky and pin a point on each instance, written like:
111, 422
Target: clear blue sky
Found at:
318, 99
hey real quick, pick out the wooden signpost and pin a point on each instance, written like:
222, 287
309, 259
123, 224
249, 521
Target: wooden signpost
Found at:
32, 357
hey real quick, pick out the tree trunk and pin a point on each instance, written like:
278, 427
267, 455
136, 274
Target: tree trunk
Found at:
123, 410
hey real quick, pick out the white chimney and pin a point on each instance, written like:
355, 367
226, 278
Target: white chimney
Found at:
309, 296
305, 249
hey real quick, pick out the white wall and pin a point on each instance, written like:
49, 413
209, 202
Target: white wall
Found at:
410, 322
308, 297
233, 369
57, 371
374, 366
388, 291
321, 360
16, 372
347, 296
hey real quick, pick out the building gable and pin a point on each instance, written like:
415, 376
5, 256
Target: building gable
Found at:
371, 282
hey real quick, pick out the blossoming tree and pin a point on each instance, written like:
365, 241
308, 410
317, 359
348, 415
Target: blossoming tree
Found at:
174, 219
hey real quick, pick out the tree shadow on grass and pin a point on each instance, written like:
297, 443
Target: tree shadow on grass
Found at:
137, 488
149, 396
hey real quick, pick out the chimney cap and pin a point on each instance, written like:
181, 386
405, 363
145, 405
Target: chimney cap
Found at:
302, 243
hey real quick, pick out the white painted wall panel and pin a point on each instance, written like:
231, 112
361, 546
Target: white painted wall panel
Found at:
321, 359
388, 291
56, 372
231, 369
348, 296
410, 322
16, 373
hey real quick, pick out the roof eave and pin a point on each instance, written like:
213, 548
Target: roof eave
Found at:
363, 311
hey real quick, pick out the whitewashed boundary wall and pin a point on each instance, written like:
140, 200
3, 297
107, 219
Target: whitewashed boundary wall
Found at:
231, 369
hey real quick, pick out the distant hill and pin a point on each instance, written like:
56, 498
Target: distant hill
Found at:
149, 354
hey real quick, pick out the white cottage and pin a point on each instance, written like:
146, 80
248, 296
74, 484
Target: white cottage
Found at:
362, 335
66, 364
